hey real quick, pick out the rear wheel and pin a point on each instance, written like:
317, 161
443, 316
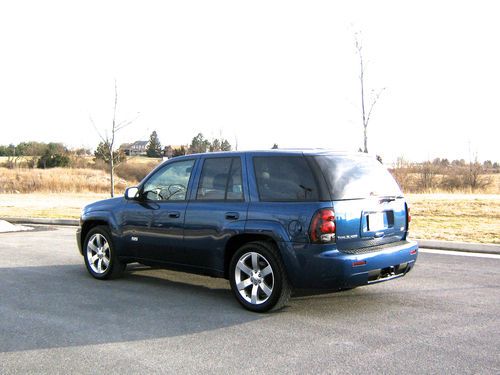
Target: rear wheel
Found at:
258, 278
100, 256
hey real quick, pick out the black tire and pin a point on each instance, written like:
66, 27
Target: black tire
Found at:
272, 290
100, 235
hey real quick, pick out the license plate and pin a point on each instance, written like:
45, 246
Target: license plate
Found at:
376, 222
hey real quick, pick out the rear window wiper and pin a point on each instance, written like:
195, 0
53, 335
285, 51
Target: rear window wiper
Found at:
389, 199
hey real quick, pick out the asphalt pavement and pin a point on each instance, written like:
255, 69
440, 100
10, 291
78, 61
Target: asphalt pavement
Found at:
443, 317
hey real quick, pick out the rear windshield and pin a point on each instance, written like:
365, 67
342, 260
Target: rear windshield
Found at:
356, 176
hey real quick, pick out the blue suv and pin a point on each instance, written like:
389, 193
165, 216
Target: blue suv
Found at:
269, 221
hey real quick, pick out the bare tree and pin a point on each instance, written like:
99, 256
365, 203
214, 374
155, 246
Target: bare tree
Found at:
109, 140
375, 95
475, 177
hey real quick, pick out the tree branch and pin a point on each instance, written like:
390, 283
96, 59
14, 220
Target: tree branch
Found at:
375, 99
96, 129
126, 123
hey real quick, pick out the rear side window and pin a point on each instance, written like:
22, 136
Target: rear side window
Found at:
284, 179
356, 176
220, 180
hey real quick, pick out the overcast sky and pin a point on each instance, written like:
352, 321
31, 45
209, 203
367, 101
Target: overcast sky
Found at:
265, 72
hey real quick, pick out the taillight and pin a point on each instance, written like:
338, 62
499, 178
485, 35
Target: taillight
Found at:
323, 226
408, 217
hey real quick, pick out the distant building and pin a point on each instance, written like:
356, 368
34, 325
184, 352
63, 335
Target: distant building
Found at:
135, 149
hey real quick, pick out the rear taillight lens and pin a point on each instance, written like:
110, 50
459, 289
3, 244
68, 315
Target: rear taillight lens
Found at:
323, 226
408, 217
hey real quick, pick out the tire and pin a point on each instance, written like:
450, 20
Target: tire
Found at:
258, 277
100, 255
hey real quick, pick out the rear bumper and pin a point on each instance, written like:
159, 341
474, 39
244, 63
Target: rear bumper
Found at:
325, 267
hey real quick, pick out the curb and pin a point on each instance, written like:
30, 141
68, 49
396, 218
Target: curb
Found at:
468, 247
36, 220
460, 246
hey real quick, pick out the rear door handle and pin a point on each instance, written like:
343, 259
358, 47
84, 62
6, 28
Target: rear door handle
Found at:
174, 214
232, 215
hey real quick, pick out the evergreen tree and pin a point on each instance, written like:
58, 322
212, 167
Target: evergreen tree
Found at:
199, 144
215, 146
102, 153
225, 145
154, 146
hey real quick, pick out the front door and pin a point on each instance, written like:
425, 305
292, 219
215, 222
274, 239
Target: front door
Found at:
155, 221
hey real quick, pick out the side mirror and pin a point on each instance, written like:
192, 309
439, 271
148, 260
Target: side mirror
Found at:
132, 193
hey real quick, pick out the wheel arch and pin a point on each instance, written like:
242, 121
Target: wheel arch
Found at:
88, 225
237, 241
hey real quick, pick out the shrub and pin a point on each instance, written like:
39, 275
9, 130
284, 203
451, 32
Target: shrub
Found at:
49, 160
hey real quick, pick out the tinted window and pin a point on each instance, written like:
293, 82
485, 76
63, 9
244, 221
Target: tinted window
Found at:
170, 182
220, 180
356, 176
284, 178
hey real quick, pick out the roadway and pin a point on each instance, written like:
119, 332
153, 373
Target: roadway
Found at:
443, 317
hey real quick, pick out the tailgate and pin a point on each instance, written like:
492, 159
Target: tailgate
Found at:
369, 222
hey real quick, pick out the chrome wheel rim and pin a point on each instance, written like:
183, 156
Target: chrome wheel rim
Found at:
98, 253
254, 278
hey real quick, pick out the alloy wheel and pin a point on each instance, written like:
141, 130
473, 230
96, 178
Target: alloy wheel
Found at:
254, 278
98, 253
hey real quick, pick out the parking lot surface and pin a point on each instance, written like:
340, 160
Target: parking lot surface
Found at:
443, 317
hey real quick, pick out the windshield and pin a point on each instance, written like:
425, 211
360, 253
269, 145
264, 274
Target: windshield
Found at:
356, 176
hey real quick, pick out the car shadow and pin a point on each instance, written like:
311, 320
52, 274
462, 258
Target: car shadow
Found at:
61, 306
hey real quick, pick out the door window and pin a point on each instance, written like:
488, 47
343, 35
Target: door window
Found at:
169, 183
220, 180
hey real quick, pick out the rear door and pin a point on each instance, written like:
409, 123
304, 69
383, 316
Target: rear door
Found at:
216, 211
369, 207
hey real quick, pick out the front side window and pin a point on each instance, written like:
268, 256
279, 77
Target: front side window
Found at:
284, 179
220, 180
169, 183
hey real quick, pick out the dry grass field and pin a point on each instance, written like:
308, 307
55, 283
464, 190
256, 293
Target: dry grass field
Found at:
456, 217
56, 180
75, 180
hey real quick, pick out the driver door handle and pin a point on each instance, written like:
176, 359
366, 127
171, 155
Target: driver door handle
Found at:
232, 215
174, 214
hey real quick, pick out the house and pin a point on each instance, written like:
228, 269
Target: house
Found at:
136, 148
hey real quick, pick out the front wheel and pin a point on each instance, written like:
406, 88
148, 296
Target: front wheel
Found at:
258, 278
99, 254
